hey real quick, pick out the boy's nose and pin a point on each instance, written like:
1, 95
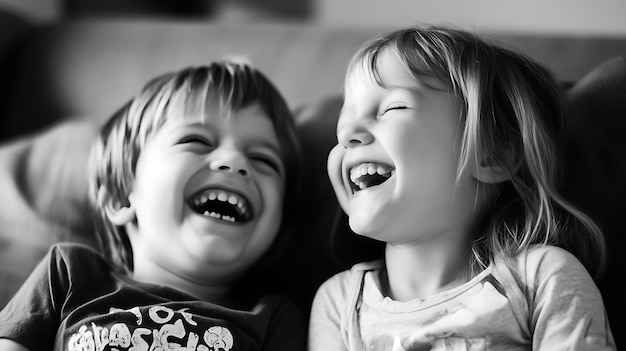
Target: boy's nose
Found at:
231, 161
244, 172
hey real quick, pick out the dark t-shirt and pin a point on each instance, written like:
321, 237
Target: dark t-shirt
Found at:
75, 300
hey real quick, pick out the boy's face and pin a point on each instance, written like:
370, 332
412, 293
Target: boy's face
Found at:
207, 194
394, 170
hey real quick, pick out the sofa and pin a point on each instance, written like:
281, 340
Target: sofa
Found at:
60, 81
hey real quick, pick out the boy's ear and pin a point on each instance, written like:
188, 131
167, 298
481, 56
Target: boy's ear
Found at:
117, 213
486, 171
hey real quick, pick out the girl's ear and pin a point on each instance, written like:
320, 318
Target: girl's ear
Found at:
117, 213
487, 172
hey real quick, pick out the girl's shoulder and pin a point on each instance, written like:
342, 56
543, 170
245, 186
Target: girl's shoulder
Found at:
544, 259
540, 264
353, 275
347, 282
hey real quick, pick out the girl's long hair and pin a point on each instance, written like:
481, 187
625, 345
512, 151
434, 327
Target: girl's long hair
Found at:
514, 120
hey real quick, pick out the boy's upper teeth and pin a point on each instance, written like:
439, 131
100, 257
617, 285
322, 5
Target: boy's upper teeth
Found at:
222, 204
220, 195
369, 168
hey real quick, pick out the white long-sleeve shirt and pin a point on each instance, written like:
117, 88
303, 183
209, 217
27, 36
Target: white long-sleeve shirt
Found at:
542, 299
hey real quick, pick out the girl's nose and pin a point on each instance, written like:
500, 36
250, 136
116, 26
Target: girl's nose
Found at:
230, 161
354, 134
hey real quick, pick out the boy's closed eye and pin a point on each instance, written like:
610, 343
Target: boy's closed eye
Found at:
266, 161
263, 159
196, 140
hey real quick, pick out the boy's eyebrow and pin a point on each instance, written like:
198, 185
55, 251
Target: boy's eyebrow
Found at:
269, 145
198, 124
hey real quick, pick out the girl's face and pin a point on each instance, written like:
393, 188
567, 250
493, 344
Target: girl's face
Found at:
207, 194
394, 169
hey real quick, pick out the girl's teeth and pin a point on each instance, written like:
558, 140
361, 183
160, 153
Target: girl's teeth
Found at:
369, 169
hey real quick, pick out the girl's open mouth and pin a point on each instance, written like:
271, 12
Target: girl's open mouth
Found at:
369, 174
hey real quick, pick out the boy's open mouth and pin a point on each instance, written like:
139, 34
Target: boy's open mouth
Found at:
222, 204
368, 174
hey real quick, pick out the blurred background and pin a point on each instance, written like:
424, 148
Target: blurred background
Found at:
598, 17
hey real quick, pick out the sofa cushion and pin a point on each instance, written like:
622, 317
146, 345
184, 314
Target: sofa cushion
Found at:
44, 195
595, 172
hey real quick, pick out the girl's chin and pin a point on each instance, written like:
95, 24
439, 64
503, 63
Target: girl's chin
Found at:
371, 200
367, 222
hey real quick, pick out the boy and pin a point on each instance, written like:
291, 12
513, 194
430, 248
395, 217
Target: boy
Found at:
189, 181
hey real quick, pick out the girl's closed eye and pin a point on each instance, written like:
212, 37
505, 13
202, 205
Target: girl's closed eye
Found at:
394, 107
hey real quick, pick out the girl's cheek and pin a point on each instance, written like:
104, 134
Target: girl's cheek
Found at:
335, 159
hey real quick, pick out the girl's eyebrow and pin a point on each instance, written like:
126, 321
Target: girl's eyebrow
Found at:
418, 86
414, 89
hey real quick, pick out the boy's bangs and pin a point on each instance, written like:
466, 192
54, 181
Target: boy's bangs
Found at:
190, 99
194, 97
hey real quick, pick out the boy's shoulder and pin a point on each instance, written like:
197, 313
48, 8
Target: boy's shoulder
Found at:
72, 247
77, 257
73, 250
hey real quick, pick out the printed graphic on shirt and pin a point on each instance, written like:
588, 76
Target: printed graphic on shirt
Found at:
470, 321
153, 328
429, 343
445, 344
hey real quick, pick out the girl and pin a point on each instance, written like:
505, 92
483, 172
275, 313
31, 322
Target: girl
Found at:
448, 152
189, 181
